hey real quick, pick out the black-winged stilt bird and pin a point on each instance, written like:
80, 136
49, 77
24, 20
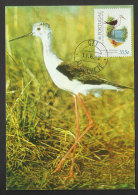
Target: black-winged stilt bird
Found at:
116, 23
73, 78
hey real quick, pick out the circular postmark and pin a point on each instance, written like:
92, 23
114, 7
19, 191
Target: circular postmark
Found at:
91, 53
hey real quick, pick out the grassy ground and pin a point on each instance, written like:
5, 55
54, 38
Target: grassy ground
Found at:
41, 118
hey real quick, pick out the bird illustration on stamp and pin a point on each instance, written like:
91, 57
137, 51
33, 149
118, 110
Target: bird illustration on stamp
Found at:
116, 36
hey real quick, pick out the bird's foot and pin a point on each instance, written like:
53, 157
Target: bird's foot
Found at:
59, 167
69, 176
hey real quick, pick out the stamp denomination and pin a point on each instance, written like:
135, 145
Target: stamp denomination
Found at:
113, 29
90, 53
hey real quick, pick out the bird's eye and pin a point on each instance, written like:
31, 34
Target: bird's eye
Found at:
38, 28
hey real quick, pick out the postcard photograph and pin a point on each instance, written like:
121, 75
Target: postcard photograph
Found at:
70, 97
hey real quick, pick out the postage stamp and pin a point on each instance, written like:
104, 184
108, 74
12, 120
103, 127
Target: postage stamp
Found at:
90, 53
113, 29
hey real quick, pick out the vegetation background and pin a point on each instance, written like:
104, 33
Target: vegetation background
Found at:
41, 119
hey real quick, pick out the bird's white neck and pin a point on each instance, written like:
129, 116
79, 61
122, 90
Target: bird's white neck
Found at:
46, 41
119, 22
51, 60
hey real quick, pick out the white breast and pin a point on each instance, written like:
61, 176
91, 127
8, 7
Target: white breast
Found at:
58, 78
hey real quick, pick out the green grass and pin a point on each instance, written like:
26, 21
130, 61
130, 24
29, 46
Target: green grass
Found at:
41, 119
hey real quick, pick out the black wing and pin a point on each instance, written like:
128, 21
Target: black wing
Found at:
84, 75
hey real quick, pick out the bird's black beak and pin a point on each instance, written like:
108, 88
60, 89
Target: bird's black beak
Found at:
123, 17
21, 37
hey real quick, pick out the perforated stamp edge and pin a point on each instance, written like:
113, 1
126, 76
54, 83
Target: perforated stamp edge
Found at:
115, 46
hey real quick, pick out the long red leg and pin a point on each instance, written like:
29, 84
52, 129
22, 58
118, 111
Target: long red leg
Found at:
85, 109
76, 137
84, 132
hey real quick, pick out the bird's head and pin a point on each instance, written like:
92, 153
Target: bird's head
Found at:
121, 16
41, 29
